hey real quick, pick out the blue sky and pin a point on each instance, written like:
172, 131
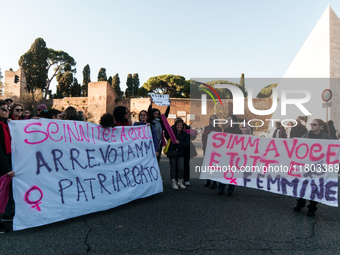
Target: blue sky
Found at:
189, 38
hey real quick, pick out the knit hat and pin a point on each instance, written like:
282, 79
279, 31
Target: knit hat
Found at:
42, 107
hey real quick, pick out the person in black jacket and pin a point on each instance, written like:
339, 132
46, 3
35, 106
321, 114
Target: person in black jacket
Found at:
5, 160
331, 131
177, 161
318, 130
188, 153
232, 129
299, 130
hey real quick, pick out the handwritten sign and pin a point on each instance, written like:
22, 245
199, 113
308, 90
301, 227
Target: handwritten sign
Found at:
65, 169
161, 99
306, 168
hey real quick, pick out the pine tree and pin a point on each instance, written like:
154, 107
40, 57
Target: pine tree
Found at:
34, 63
116, 85
75, 88
129, 86
86, 80
65, 79
135, 79
109, 80
242, 81
102, 74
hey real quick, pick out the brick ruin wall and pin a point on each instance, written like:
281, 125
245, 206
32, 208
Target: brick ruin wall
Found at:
102, 99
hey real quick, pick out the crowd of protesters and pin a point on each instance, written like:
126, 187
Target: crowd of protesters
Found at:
179, 151
319, 130
9, 111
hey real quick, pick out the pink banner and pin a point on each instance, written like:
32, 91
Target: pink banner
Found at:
168, 129
4, 191
191, 131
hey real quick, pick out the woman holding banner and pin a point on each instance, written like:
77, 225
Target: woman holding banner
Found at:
189, 154
72, 114
5, 164
232, 129
176, 153
156, 122
279, 132
206, 132
143, 117
16, 111
318, 130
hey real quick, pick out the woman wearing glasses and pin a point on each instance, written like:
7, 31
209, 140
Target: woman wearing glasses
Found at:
5, 161
16, 111
318, 130
143, 120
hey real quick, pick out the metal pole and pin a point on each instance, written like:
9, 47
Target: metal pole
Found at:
327, 114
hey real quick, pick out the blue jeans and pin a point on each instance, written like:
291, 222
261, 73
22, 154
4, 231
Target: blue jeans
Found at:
221, 187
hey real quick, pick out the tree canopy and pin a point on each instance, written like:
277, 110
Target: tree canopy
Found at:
102, 74
135, 82
116, 86
75, 90
109, 80
267, 91
34, 63
167, 84
86, 80
65, 79
38, 61
58, 59
129, 92
196, 89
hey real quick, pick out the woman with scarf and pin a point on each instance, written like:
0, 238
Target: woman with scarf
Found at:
5, 161
143, 120
156, 122
318, 130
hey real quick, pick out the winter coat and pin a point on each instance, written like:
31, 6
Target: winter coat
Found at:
5, 158
153, 131
298, 131
183, 145
321, 135
282, 132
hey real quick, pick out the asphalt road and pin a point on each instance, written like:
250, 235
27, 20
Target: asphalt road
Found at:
191, 221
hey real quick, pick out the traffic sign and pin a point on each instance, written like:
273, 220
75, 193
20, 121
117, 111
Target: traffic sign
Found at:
326, 95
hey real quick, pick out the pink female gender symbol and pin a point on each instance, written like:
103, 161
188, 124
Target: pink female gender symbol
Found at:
37, 202
231, 179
